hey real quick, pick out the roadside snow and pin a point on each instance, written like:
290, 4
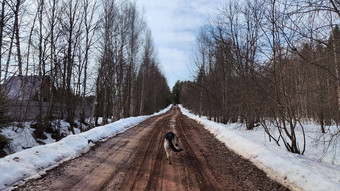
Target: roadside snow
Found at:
22, 137
21, 134
35, 161
297, 172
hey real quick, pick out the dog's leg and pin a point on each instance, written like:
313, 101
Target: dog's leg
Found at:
167, 150
169, 156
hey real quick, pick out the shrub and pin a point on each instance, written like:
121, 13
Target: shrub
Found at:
4, 107
4, 143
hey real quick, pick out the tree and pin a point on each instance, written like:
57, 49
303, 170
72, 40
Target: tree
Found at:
248, 69
5, 119
91, 27
176, 92
56, 40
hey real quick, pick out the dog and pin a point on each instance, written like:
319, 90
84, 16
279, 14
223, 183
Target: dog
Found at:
171, 143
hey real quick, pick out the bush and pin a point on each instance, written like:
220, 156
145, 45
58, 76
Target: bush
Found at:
4, 121
4, 143
4, 107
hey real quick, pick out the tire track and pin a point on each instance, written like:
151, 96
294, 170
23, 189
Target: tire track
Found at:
136, 160
205, 179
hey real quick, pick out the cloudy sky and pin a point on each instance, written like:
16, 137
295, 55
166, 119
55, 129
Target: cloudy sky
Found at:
174, 25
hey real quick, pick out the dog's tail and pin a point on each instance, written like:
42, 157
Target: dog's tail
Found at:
172, 146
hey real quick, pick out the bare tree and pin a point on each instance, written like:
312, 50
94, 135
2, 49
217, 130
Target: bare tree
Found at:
90, 8
71, 22
2, 26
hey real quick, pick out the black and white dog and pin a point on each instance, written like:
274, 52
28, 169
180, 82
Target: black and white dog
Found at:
171, 143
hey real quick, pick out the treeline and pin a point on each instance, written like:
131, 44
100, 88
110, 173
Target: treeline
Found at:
129, 81
82, 53
269, 61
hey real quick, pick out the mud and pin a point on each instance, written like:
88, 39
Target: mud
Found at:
136, 160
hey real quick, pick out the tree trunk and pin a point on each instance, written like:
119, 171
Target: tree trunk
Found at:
337, 73
2, 24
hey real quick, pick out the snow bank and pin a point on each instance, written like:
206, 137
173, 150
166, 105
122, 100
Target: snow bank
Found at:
27, 163
23, 138
294, 171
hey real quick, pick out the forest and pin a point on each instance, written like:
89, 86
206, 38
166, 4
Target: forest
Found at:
74, 60
269, 62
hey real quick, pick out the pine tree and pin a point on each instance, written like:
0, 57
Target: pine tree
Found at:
4, 120
4, 106
176, 92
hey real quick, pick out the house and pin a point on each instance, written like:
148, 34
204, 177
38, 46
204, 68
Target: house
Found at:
26, 88
23, 94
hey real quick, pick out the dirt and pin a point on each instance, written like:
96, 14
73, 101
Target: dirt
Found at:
136, 160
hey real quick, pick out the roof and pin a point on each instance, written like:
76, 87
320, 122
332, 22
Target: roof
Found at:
31, 86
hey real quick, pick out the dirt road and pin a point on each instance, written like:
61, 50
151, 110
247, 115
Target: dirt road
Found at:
136, 160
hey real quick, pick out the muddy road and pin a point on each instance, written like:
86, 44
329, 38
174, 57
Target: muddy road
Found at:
136, 160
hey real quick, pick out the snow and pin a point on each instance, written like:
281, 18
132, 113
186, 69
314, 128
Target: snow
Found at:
298, 172
22, 137
35, 161
313, 171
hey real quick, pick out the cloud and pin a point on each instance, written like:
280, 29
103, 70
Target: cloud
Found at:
174, 64
174, 25
174, 59
171, 37
205, 7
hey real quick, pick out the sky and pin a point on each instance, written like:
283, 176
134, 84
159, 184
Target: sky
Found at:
174, 25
